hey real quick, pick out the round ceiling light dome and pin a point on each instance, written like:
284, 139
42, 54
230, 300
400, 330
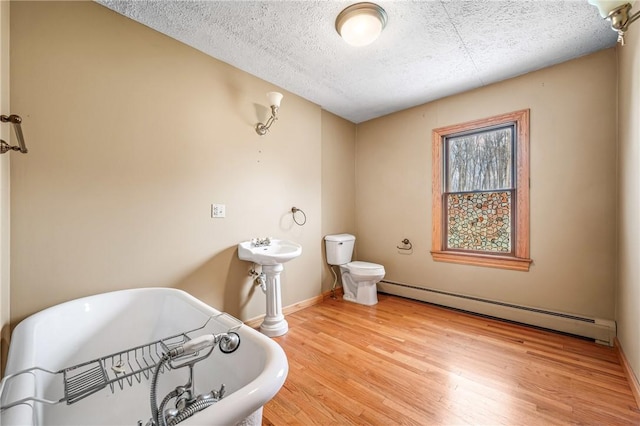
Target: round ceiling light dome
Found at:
361, 24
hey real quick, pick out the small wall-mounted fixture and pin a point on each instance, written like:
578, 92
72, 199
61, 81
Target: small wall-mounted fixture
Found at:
16, 121
274, 100
361, 23
618, 13
303, 220
406, 245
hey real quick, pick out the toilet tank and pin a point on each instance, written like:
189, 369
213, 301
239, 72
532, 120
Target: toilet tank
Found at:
339, 248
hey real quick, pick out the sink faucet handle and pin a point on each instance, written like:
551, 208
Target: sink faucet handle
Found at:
259, 242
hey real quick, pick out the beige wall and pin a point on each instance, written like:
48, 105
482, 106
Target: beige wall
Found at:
132, 136
338, 183
573, 189
4, 185
628, 292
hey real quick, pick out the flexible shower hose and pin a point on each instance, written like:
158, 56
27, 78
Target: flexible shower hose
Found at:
152, 394
191, 410
157, 413
174, 393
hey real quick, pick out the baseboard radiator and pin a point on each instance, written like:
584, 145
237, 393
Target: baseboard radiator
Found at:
600, 330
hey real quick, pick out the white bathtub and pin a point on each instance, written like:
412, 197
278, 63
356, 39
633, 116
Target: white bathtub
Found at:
91, 328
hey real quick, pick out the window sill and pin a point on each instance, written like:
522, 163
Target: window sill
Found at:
476, 259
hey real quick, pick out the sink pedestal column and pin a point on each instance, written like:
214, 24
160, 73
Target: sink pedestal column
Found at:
274, 323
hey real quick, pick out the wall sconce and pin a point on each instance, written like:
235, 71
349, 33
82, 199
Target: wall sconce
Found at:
274, 100
618, 13
361, 24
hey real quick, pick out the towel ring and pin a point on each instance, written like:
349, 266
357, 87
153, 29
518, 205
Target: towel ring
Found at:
295, 210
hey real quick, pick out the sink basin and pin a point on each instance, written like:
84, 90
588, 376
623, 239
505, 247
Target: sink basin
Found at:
278, 252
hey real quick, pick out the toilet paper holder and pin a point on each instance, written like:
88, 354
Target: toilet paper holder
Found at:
406, 245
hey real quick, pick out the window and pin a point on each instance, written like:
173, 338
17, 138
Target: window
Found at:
481, 192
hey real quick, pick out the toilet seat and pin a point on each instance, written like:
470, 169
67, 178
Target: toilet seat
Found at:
364, 269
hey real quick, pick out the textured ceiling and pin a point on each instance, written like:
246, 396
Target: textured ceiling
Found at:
429, 49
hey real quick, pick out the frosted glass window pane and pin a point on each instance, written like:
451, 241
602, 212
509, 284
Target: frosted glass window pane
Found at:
480, 161
479, 221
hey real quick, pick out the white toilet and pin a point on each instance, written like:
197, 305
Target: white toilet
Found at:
359, 279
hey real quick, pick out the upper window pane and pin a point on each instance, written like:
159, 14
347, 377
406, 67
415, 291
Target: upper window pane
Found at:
480, 161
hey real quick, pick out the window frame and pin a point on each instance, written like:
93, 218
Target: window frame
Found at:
519, 260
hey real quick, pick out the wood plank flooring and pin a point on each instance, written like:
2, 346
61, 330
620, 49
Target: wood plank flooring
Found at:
407, 362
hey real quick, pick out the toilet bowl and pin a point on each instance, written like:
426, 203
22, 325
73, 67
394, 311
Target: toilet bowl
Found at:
359, 281
359, 278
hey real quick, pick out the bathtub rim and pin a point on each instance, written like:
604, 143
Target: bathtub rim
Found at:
228, 410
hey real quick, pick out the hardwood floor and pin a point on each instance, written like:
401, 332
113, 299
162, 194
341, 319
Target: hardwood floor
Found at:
407, 362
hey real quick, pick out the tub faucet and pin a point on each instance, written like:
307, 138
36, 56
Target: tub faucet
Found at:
186, 401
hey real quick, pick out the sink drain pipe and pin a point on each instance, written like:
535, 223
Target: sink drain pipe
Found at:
259, 278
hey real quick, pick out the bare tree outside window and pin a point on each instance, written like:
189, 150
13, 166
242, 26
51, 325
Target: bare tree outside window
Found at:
480, 161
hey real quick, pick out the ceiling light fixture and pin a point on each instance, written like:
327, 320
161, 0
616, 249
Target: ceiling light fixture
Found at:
274, 100
618, 13
361, 24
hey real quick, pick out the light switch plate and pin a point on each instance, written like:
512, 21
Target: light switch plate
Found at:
218, 210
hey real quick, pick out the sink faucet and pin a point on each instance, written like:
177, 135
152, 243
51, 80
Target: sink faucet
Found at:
261, 242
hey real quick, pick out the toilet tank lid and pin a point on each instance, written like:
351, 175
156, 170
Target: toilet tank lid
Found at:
340, 237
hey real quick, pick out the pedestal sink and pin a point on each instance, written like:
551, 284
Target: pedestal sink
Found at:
271, 257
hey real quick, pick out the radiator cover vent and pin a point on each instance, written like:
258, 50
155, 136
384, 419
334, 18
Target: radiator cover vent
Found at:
601, 330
